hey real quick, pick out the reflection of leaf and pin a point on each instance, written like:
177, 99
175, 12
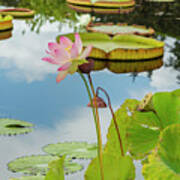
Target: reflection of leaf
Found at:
115, 167
143, 133
38, 165
29, 178
165, 163
56, 170
72, 149
123, 118
14, 127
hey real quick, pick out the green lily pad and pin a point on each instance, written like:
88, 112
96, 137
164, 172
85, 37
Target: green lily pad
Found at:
115, 167
103, 3
6, 23
14, 127
143, 134
72, 149
121, 47
38, 165
165, 163
29, 178
114, 29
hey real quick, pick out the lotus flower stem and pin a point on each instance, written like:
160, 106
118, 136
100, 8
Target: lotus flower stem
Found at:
113, 116
98, 132
98, 129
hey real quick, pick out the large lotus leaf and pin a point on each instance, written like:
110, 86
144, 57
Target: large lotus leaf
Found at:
56, 170
14, 127
72, 149
114, 29
123, 119
38, 165
121, 47
29, 178
165, 163
143, 134
114, 167
167, 107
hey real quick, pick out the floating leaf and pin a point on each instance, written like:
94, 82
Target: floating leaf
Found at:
29, 178
14, 127
123, 119
115, 167
56, 170
143, 134
72, 149
165, 163
121, 47
114, 29
38, 165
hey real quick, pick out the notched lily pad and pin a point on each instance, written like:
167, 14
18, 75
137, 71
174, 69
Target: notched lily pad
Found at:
38, 165
14, 127
80, 150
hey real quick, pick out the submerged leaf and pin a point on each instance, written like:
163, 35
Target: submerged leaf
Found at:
14, 127
38, 165
115, 168
72, 149
165, 163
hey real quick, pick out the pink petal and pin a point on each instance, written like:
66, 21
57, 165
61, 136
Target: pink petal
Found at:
65, 42
61, 75
86, 52
74, 51
50, 60
53, 46
65, 66
62, 55
78, 42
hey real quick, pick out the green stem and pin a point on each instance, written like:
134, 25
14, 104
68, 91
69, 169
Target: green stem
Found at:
97, 126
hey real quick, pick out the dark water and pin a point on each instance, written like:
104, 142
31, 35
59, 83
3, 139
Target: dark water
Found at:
29, 91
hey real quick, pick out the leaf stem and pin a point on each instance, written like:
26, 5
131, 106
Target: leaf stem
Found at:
113, 116
96, 120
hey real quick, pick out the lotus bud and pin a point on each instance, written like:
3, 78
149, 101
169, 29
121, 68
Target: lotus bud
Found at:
97, 101
87, 67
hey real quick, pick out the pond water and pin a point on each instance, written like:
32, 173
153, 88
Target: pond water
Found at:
29, 91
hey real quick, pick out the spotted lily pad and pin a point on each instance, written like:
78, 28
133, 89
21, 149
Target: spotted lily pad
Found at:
114, 29
121, 47
14, 127
38, 165
72, 149
165, 163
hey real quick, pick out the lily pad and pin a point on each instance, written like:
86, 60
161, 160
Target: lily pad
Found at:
18, 12
14, 127
114, 29
121, 47
6, 23
115, 167
165, 163
72, 149
103, 3
29, 178
38, 165
99, 10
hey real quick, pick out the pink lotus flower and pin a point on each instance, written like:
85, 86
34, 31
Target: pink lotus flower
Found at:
67, 55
